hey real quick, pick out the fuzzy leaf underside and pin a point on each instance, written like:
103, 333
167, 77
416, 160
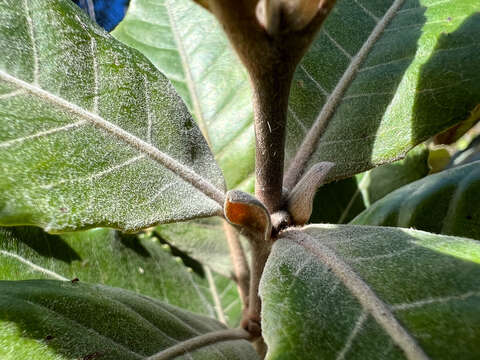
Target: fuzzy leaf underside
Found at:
420, 77
444, 203
91, 134
362, 292
51, 320
188, 45
107, 257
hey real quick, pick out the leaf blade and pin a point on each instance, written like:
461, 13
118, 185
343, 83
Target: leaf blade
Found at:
378, 102
67, 313
297, 287
187, 44
112, 106
443, 203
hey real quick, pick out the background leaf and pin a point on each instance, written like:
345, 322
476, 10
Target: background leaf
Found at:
361, 292
380, 181
203, 239
91, 133
107, 257
397, 98
444, 203
63, 320
188, 45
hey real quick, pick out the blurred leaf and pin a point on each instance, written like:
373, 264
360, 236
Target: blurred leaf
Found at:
337, 202
444, 203
384, 179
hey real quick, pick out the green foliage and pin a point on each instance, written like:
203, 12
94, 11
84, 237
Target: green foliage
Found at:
93, 133
105, 136
359, 292
64, 320
443, 203
110, 258
188, 45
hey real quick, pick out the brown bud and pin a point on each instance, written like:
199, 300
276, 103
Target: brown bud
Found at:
300, 200
247, 211
286, 15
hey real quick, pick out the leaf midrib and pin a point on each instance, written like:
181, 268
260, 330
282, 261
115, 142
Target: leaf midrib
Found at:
188, 75
142, 146
307, 148
369, 301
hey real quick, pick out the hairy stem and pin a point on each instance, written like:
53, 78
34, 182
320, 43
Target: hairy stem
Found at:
240, 265
199, 342
270, 102
260, 253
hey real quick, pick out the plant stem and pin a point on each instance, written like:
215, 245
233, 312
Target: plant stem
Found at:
241, 269
270, 103
260, 253
199, 342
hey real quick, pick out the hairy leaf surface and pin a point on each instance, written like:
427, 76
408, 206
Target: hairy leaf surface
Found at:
188, 45
107, 257
381, 77
362, 292
47, 319
444, 203
91, 133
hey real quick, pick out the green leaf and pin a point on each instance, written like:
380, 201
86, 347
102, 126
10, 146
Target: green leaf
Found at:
382, 180
337, 202
381, 77
188, 45
91, 133
444, 203
362, 292
107, 257
203, 239
46, 319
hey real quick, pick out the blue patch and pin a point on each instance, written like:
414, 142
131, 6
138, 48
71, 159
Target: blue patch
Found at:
108, 13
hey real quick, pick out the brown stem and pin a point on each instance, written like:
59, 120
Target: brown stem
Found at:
260, 253
270, 103
240, 265
199, 342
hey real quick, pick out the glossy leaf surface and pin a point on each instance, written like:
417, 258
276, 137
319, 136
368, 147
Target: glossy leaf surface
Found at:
90, 132
444, 203
362, 292
47, 319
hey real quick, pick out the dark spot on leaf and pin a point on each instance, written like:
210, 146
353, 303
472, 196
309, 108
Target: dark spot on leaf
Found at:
75, 280
329, 269
188, 124
469, 217
449, 18
63, 209
92, 356
49, 337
